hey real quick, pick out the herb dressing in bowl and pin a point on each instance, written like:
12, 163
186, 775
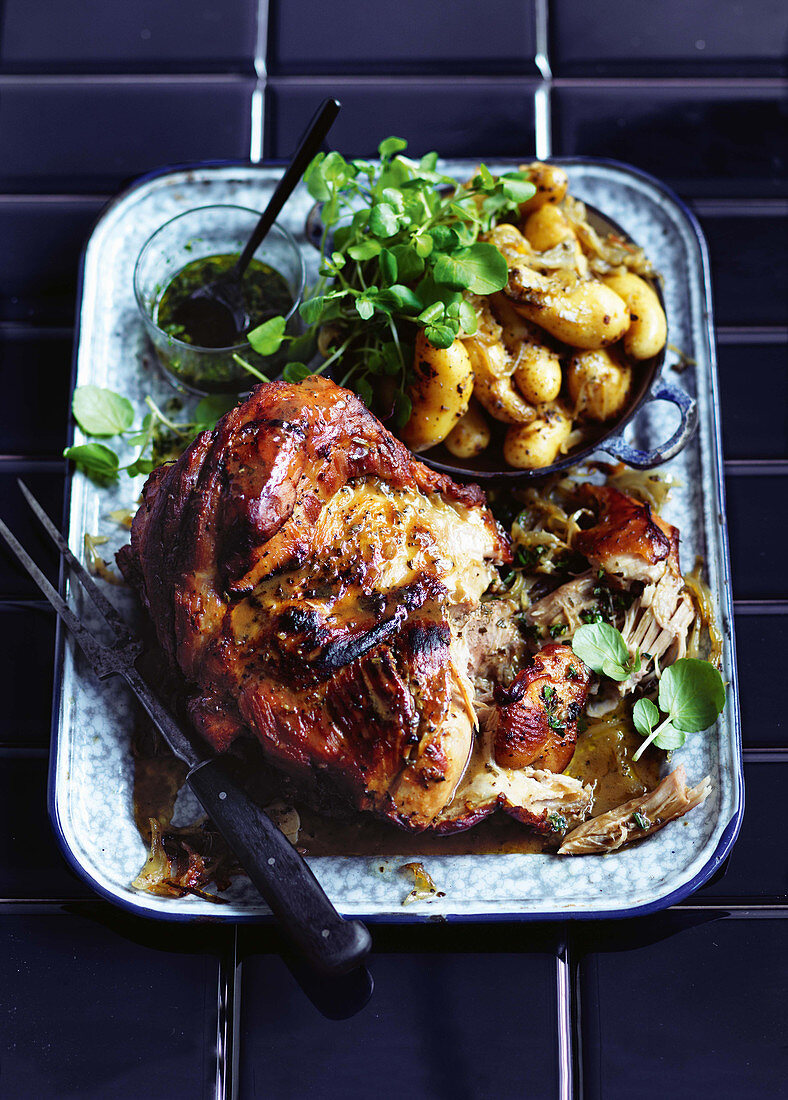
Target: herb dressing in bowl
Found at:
192, 249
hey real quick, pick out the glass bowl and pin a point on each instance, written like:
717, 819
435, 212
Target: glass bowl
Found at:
197, 234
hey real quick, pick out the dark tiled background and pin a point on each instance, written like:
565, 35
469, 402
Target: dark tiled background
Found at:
687, 1003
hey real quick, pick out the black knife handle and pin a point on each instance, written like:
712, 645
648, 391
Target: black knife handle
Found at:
281, 874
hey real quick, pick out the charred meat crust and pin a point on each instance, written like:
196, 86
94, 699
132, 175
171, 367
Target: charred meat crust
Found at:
626, 532
535, 718
334, 653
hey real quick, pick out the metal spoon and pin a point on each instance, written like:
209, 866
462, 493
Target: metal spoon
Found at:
217, 310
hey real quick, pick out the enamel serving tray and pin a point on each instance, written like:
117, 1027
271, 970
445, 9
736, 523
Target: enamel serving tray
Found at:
91, 767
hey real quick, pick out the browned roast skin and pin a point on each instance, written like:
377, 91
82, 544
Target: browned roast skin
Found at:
535, 720
290, 563
626, 539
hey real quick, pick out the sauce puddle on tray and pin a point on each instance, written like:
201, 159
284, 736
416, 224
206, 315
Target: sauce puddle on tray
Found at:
603, 757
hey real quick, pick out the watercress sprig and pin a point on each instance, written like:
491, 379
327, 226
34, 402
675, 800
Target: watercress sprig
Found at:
400, 252
691, 695
103, 414
604, 650
691, 692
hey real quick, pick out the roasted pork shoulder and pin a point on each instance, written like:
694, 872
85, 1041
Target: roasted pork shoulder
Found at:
319, 589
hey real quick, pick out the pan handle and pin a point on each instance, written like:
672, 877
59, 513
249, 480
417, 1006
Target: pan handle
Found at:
644, 460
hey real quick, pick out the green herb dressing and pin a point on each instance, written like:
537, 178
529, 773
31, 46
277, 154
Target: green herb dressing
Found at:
266, 294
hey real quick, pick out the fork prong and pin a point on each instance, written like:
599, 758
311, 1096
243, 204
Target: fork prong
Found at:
108, 610
92, 649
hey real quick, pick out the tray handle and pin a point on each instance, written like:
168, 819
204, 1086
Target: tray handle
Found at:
644, 460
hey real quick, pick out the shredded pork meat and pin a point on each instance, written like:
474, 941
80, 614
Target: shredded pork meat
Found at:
564, 604
637, 818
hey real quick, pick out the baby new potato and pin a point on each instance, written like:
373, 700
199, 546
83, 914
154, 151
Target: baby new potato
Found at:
440, 391
536, 445
538, 374
587, 314
493, 368
598, 385
550, 181
546, 227
470, 435
648, 329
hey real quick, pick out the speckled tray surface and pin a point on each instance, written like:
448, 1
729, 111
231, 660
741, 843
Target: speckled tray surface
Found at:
91, 769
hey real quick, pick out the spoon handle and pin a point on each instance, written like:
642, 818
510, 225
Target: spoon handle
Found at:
308, 146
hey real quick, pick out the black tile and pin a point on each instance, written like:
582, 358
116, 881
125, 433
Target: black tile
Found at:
753, 426
93, 135
443, 36
761, 645
484, 118
706, 37
436, 1006
702, 140
98, 1006
47, 486
758, 530
32, 865
757, 870
683, 1005
750, 285
146, 36
42, 242
27, 654
35, 366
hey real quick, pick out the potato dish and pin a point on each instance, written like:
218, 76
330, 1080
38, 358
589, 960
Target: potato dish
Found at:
554, 352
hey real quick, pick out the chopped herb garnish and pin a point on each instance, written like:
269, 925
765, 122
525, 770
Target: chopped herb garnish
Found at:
557, 629
528, 557
556, 821
533, 632
592, 615
641, 821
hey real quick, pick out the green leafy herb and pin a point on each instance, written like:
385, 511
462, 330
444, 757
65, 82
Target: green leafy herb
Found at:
159, 438
693, 693
96, 460
527, 558
296, 372
101, 412
641, 821
691, 696
604, 650
401, 252
267, 338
